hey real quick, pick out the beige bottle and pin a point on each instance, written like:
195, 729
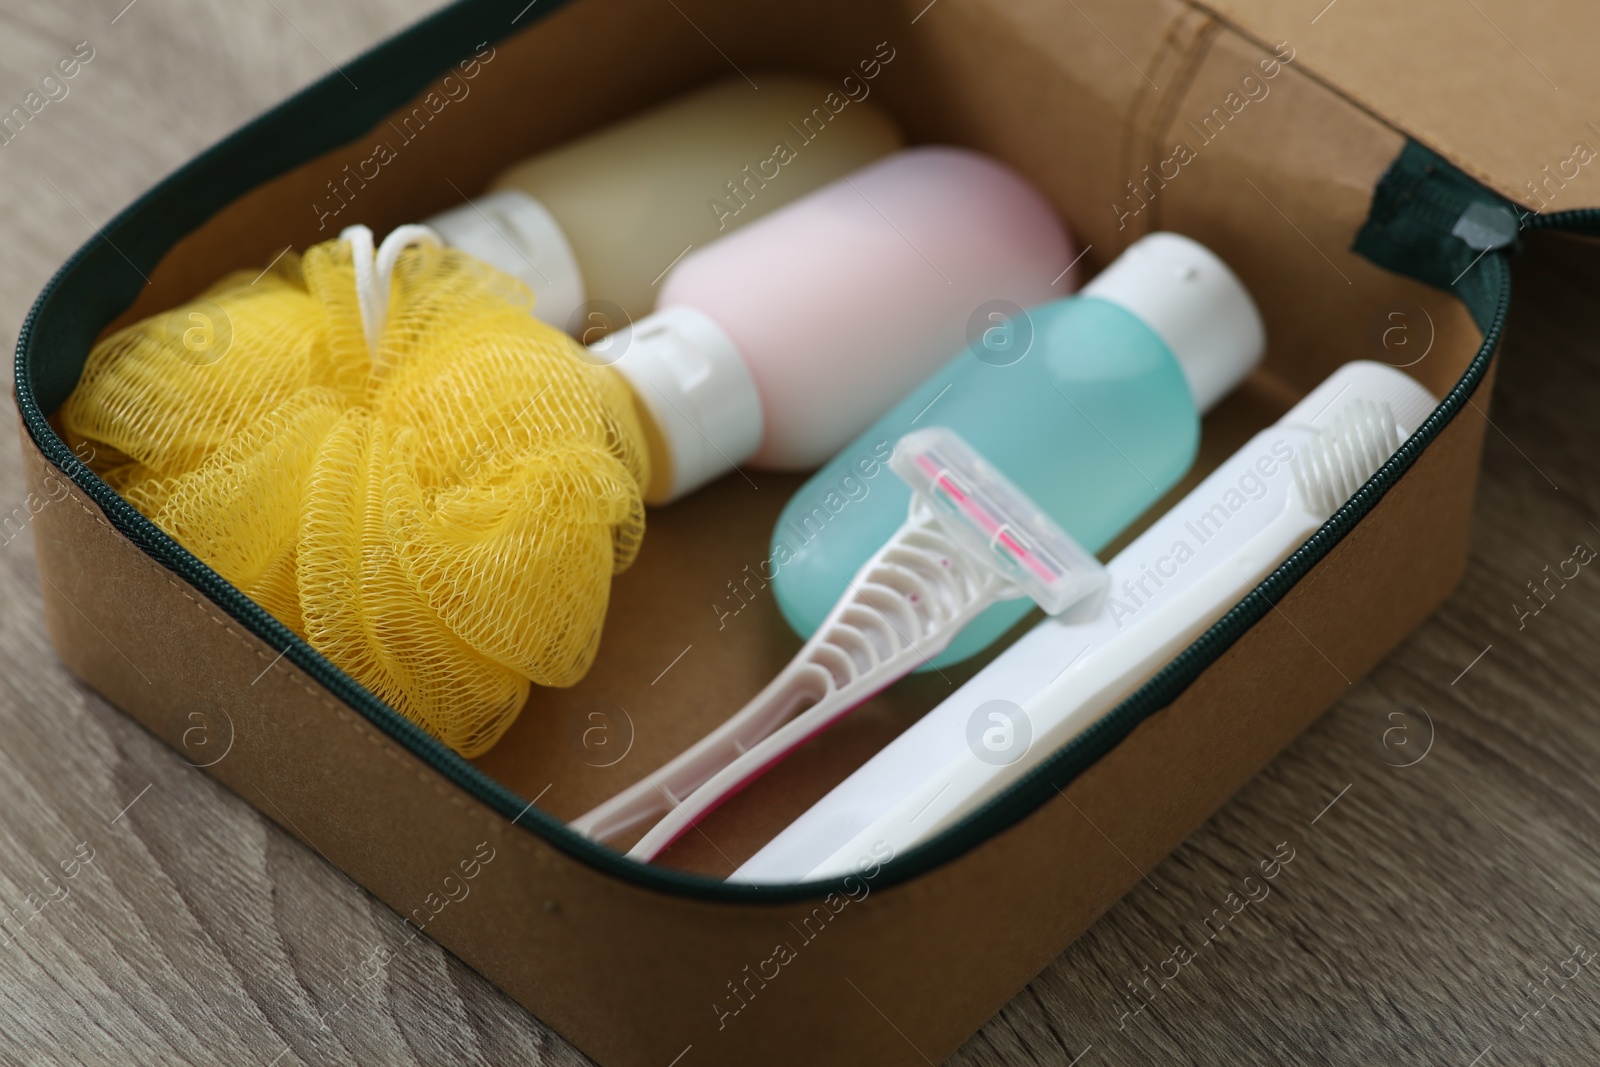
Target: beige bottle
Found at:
599, 220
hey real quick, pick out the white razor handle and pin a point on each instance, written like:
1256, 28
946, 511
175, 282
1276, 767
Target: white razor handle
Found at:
972, 540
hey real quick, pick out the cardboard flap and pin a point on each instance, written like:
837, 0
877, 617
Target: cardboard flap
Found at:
1508, 92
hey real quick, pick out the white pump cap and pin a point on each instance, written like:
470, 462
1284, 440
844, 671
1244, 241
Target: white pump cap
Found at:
513, 232
687, 373
1181, 290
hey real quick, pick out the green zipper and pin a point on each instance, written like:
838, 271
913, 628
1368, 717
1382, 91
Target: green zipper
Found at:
98, 282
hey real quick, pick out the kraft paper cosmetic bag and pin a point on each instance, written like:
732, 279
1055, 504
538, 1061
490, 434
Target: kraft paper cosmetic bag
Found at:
1358, 169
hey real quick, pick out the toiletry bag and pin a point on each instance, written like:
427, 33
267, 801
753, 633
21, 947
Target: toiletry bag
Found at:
1366, 171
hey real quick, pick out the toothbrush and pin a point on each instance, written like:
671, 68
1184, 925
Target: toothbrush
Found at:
972, 539
1327, 471
1232, 504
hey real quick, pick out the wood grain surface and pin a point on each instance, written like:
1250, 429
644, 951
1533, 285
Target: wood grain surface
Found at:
1442, 905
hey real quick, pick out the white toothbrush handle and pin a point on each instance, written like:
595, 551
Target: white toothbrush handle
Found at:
906, 604
1097, 683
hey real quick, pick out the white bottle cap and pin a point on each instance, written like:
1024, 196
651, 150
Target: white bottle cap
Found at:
1189, 297
689, 376
513, 232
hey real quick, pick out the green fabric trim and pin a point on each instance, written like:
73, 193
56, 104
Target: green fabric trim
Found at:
1410, 230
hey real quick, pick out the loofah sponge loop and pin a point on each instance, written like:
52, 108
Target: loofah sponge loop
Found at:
385, 450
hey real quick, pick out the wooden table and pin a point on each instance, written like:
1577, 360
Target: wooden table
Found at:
1431, 913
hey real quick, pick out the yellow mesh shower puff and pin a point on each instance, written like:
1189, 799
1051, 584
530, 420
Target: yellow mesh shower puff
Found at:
385, 450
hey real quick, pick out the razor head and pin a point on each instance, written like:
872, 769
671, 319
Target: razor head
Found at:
995, 522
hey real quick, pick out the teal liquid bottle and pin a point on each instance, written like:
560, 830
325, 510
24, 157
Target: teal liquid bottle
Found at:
1090, 404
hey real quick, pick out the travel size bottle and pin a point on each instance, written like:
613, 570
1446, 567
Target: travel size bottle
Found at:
777, 344
600, 218
1090, 404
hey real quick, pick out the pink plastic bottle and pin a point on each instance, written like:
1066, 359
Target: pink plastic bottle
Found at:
781, 342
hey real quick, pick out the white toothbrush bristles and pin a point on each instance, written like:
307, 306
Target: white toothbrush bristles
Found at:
1350, 449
